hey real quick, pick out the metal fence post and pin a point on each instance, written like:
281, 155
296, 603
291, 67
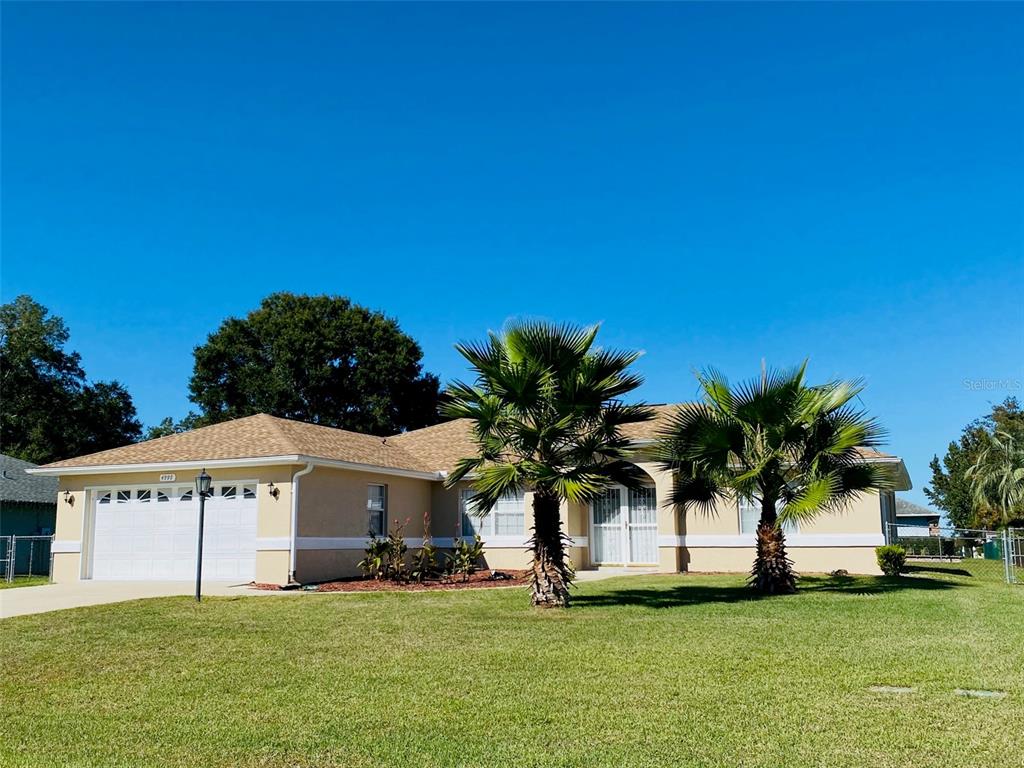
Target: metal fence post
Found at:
1007, 557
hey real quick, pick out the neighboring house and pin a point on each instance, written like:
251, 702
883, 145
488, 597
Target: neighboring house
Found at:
28, 507
913, 519
296, 501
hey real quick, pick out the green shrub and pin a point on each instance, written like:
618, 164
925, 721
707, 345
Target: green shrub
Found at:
385, 558
892, 559
373, 564
465, 557
397, 569
424, 563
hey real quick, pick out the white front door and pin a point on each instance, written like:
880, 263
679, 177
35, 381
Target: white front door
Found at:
150, 534
624, 527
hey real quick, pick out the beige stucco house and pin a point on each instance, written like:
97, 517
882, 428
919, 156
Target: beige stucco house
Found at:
294, 501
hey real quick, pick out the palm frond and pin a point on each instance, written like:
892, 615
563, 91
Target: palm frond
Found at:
814, 496
701, 493
717, 393
492, 482
463, 468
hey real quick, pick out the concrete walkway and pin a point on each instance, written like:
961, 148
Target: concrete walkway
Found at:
21, 601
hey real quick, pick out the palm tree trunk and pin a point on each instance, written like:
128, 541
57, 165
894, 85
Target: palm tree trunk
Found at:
773, 571
551, 574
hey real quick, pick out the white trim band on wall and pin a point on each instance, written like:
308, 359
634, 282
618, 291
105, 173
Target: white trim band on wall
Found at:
63, 546
359, 542
794, 540
335, 542
272, 544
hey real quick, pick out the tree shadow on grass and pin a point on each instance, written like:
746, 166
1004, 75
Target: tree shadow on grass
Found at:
939, 569
698, 594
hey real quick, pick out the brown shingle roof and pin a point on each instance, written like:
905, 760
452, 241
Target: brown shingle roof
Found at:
442, 445
256, 437
430, 449
648, 430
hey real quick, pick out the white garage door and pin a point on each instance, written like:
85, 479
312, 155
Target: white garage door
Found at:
150, 533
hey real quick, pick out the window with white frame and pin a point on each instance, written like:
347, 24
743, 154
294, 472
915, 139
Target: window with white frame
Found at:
750, 514
507, 518
377, 508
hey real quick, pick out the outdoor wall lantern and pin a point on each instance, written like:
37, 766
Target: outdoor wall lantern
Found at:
69, 499
203, 481
273, 489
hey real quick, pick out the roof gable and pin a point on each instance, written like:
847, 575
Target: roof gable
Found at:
253, 437
906, 508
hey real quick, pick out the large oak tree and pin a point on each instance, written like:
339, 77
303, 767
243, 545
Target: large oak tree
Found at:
320, 359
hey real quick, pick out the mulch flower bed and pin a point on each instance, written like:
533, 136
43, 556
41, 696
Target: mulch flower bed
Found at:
478, 580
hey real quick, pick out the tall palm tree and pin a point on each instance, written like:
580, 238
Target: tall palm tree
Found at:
547, 417
997, 476
789, 447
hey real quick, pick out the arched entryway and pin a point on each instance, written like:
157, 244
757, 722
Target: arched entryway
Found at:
624, 526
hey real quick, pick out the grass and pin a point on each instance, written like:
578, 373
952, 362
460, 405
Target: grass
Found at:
24, 581
654, 670
989, 570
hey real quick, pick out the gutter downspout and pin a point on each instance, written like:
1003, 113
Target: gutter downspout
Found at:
295, 519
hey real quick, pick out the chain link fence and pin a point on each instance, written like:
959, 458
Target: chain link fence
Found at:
26, 558
989, 555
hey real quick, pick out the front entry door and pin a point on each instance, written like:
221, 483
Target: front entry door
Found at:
625, 527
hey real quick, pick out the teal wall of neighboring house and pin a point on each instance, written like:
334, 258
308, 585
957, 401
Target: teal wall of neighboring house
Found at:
21, 518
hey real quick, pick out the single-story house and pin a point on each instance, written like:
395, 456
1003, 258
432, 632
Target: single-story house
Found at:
914, 520
295, 501
28, 507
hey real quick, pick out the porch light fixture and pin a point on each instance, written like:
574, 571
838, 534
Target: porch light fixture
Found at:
69, 499
273, 490
203, 482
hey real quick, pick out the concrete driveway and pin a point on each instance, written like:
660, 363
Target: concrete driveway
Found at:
55, 597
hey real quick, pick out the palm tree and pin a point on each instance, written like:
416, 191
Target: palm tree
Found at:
997, 476
546, 416
793, 449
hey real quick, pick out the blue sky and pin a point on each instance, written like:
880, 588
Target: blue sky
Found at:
717, 184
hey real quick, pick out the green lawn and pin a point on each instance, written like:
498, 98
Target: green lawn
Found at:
658, 670
24, 581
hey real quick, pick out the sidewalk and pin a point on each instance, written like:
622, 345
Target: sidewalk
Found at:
55, 597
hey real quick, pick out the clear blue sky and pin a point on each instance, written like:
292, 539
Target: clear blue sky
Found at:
715, 183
